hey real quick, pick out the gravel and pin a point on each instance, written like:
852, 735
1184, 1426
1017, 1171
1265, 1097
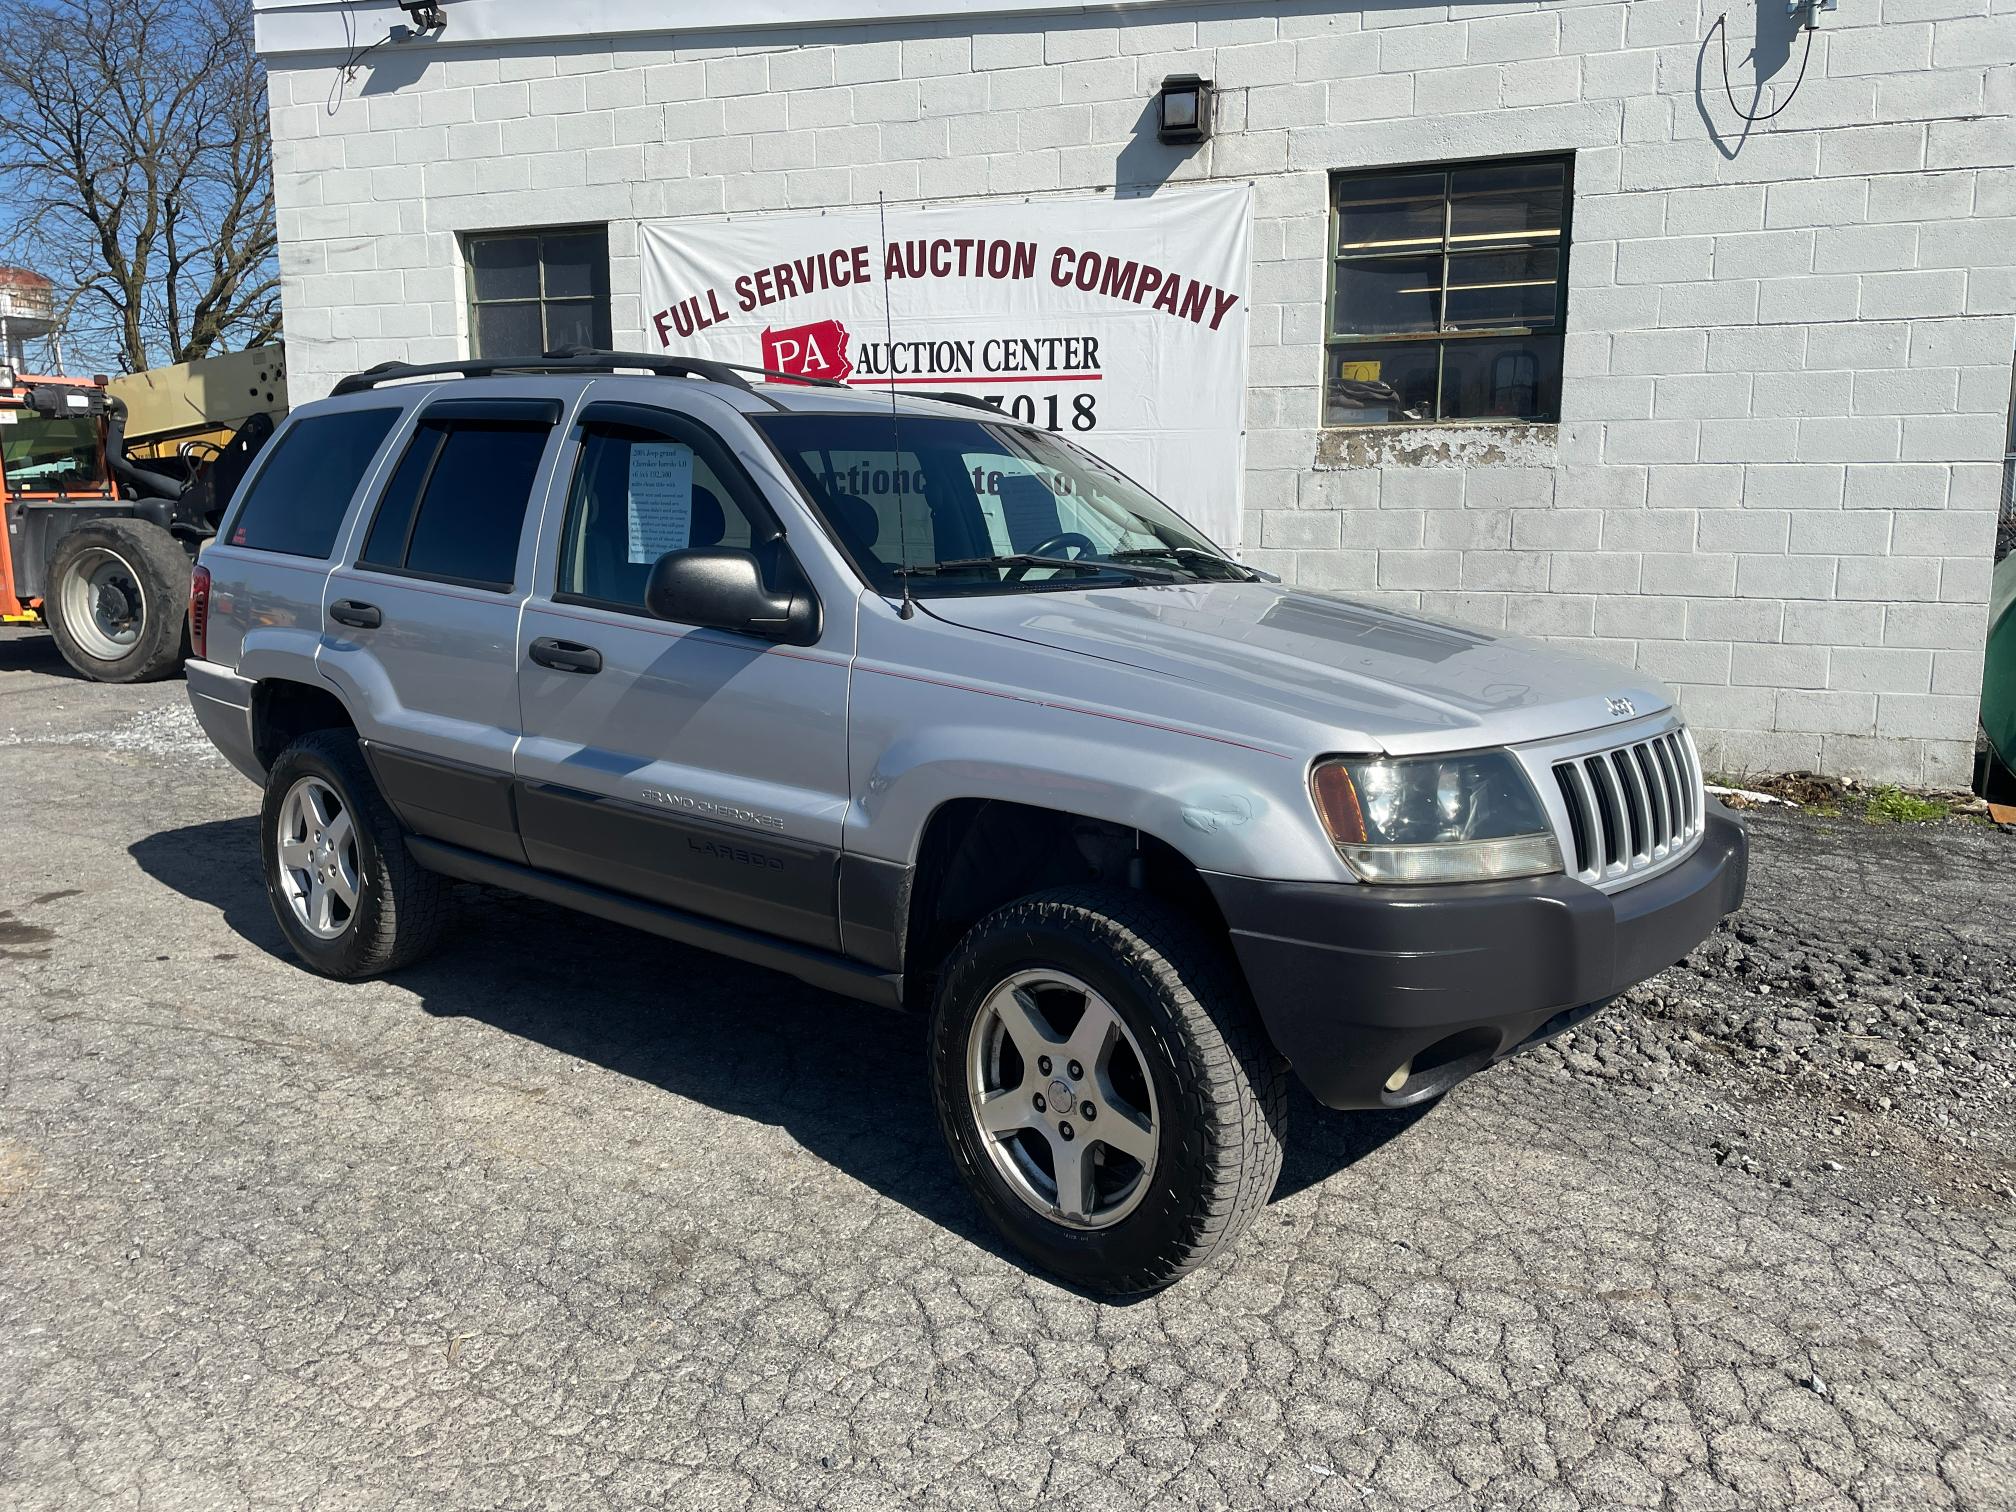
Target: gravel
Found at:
1833, 1028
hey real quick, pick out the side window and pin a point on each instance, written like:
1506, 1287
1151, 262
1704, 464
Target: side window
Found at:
455, 507
297, 502
638, 494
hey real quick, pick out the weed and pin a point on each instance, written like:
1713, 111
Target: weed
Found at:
1892, 805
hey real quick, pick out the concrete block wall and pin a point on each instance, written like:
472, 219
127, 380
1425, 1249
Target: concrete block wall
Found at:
1787, 376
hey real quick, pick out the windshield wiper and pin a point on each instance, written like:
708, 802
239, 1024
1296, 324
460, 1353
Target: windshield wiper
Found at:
1239, 570
1027, 559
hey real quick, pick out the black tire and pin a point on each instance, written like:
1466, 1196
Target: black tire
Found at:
1220, 1089
155, 570
400, 906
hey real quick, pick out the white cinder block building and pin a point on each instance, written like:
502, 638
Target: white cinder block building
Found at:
1542, 334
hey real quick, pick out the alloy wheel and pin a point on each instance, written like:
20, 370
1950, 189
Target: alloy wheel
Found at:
318, 858
1060, 1091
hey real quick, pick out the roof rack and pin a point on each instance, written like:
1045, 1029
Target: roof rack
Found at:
576, 359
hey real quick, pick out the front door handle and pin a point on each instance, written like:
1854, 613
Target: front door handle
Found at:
351, 612
566, 656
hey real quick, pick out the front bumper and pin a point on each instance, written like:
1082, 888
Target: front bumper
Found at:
1354, 981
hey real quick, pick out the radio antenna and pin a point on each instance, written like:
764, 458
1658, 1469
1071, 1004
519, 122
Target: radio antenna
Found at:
909, 605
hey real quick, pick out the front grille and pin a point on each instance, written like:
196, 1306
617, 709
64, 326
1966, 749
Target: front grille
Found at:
1632, 807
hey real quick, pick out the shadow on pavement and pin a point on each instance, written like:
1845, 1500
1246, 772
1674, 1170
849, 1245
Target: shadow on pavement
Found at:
847, 1081
33, 649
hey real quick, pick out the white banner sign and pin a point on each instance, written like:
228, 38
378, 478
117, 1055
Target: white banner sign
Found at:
1120, 324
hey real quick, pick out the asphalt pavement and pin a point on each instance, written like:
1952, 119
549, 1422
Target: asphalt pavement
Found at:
571, 1217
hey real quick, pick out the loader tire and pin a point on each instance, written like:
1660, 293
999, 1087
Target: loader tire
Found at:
118, 601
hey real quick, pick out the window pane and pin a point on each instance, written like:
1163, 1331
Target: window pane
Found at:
51, 454
510, 330
1371, 384
1521, 202
385, 546
881, 498
1390, 213
963, 487
505, 267
574, 265
637, 496
1518, 378
571, 323
474, 510
1380, 294
301, 495
1503, 288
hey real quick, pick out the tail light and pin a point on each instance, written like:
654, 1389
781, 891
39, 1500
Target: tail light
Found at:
199, 612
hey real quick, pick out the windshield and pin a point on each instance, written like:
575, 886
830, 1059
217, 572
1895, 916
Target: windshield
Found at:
44, 455
966, 506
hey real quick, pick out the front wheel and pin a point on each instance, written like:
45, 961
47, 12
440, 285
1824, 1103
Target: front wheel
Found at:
118, 601
1104, 1087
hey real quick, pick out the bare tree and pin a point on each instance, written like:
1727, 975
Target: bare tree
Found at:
136, 169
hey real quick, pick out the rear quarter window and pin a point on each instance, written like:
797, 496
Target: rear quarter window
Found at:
298, 499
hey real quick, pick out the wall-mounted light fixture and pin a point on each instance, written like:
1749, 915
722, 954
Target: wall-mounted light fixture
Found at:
426, 15
1183, 109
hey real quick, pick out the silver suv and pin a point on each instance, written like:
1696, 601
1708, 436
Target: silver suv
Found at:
937, 710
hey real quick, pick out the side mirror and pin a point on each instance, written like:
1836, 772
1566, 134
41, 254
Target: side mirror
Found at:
721, 588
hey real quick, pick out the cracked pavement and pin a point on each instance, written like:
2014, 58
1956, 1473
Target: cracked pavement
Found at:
571, 1217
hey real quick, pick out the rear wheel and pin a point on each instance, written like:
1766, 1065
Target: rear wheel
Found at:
1104, 1087
349, 897
118, 601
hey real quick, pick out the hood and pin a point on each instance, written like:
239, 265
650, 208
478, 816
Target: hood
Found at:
1377, 678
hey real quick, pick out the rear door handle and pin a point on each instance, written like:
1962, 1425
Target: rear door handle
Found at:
351, 612
566, 656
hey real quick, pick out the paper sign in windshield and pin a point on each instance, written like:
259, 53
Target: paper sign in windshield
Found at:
661, 499
1029, 510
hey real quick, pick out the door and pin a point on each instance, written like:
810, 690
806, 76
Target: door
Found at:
694, 767
421, 624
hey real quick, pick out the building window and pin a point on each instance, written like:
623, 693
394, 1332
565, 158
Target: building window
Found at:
533, 291
1448, 293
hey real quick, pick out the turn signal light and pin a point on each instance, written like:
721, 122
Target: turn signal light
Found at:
1337, 802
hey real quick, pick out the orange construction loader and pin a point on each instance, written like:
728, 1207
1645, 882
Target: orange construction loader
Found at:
96, 545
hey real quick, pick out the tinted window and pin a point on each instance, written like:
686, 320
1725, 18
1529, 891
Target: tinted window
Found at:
298, 500
456, 505
385, 546
636, 496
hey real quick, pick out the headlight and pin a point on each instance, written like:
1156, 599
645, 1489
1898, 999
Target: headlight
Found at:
1469, 818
